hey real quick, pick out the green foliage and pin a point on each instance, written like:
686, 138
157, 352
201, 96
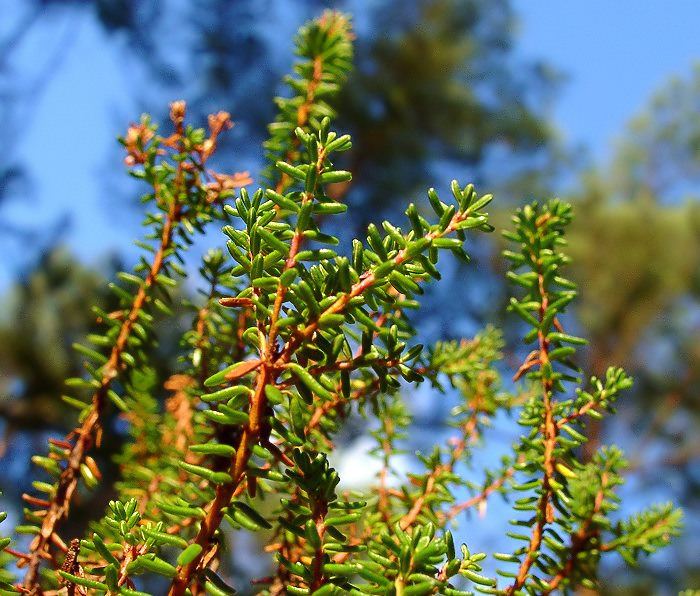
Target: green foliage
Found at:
571, 498
5, 576
289, 341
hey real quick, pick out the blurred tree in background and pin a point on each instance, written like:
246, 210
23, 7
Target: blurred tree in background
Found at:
436, 86
45, 313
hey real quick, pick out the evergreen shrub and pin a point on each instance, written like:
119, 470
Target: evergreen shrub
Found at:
291, 339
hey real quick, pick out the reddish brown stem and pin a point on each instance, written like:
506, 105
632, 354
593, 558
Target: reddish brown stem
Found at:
90, 430
545, 510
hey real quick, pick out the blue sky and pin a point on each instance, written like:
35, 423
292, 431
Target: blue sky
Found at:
616, 54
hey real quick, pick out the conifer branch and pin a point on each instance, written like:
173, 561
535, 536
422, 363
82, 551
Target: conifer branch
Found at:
88, 434
545, 509
178, 206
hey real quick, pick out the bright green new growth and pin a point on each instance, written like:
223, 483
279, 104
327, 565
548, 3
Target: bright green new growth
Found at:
289, 341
